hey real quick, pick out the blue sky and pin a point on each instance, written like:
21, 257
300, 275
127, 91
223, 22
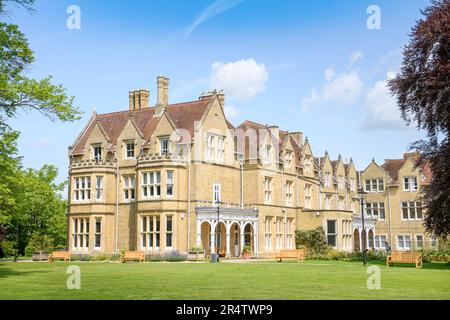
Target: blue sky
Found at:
310, 66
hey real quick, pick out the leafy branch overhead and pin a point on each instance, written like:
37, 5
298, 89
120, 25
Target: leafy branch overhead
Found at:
18, 92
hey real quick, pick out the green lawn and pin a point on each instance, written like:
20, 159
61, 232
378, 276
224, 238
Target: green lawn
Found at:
257, 280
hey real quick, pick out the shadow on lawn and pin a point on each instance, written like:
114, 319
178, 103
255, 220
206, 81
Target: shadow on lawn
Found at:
6, 271
426, 265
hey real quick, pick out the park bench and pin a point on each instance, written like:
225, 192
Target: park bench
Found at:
132, 256
404, 257
59, 255
290, 254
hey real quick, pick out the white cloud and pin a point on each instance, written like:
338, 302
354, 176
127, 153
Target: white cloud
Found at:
231, 111
382, 109
42, 142
355, 57
211, 11
240, 80
342, 89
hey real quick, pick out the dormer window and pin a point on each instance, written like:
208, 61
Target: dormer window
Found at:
410, 183
267, 150
97, 153
164, 146
129, 150
288, 160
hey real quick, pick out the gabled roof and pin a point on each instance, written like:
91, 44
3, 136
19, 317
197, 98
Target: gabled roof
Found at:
182, 115
392, 166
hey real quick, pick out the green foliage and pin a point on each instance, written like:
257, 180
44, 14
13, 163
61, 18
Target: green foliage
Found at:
314, 241
27, 4
247, 249
173, 256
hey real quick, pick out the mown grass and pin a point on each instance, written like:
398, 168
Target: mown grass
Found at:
256, 280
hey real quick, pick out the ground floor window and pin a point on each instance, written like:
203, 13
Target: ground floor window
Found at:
279, 234
419, 241
80, 234
150, 232
98, 233
404, 242
290, 242
268, 232
169, 231
380, 242
433, 242
331, 233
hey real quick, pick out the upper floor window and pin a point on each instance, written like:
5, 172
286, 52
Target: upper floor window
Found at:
151, 184
412, 210
169, 183
97, 149
267, 153
216, 194
267, 190
82, 189
99, 188
164, 146
308, 196
307, 164
341, 203
340, 182
327, 179
129, 152
129, 183
215, 148
288, 160
352, 184
375, 209
410, 183
288, 188
374, 185
328, 202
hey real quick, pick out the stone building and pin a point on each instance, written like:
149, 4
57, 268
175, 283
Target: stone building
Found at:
176, 176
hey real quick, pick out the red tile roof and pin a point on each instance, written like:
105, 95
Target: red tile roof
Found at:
183, 115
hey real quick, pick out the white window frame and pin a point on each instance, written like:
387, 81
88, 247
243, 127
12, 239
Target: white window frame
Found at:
151, 180
378, 243
267, 154
153, 221
308, 196
128, 151
289, 192
97, 157
279, 233
220, 152
417, 241
169, 232
327, 179
288, 159
268, 233
98, 234
335, 234
268, 190
129, 188
170, 183
376, 185
217, 193
371, 207
408, 185
80, 233
404, 237
99, 187
162, 150
82, 189
411, 209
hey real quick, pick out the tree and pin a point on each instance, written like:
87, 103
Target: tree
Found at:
422, 90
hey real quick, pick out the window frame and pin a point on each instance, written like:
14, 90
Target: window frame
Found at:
127, 151
148, 176
335, 234
129, 187
97, 157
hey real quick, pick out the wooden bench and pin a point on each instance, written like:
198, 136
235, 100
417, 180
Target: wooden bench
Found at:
405, 257
290, 254
132, 256
59, 255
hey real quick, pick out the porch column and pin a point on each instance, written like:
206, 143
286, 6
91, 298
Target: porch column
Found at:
255, 238
228, 254
199, 234
213, 242
241, 232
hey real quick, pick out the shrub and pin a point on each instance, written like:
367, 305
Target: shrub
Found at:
80, 257
173, 256
314, 241
7, 249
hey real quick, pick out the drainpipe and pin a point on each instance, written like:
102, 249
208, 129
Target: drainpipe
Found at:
389, 206
117, 202
189, 197
283, 210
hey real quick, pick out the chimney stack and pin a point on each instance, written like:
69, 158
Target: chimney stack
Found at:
163, 90
298, 136
221, 97
139, 99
